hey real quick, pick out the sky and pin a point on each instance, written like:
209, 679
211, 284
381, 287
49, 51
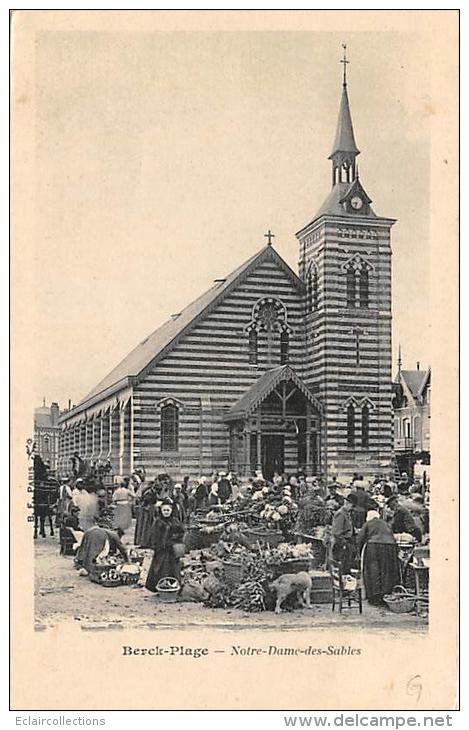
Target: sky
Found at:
161, 159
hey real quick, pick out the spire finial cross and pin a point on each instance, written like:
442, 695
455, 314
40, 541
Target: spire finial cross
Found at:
269, 235
345, 62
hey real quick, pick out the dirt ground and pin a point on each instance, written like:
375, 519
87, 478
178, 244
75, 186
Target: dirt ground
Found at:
62, 595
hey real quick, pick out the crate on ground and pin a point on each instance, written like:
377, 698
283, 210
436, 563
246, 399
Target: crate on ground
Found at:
291, 565
321, 591
233, 572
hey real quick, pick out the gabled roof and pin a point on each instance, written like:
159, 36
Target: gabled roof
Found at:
415, 381
344, 138
333, 203
425, 381
142, 357
396, 389
254, 396
356, 187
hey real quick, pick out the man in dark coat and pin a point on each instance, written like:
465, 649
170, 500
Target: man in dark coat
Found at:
363, 505
342, 533
225, 490
145, 514
201, 493
185, 493
404, 483
334, 494
178, 500
402, 520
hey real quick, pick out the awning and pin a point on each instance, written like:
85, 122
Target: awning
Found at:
113, 403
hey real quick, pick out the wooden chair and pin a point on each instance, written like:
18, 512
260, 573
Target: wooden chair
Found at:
345, 599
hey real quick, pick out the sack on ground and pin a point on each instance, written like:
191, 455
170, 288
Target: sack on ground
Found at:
193, 592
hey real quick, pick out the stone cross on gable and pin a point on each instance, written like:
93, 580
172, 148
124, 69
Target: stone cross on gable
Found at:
269, 235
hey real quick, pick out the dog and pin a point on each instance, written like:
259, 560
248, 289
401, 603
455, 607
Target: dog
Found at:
286, 585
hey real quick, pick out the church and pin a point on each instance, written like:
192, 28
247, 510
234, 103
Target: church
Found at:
269, 369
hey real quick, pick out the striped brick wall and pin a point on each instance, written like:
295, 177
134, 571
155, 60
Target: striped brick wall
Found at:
331, 367
208, 371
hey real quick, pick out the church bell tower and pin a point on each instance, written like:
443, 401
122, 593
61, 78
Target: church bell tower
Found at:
345, 264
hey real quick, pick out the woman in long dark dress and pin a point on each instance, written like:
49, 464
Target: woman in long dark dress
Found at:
380, 559
145, 514
167, 530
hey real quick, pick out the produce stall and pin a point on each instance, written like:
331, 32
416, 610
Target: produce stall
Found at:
234, 553
227, 574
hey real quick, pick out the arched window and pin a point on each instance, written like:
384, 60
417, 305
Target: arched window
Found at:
269, 320
351, 427
314, 292
284, 346
46, 443
365, 427
253, 347
364, 287
309, 292
169, 428
350, 286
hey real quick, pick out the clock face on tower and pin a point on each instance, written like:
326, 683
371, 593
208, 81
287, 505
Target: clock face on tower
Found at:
356, 202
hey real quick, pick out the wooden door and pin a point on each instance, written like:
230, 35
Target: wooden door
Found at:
272, 454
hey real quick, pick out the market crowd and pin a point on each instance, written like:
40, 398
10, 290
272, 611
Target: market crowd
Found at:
359, 525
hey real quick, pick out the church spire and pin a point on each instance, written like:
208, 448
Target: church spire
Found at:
344, 150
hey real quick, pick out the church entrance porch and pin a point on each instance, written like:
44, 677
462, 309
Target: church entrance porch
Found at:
275, 427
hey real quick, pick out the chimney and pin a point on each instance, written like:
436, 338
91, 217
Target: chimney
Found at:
54, 413
69, 404
418, 365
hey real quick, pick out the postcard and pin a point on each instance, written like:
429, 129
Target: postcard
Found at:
234, 270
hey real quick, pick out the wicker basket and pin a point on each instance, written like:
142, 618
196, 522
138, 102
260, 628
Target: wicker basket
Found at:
105, 575
291, 565
130, 574
194, 539
168, 589
400, 600
233, 572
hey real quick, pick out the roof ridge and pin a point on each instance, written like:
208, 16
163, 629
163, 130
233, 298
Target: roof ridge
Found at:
143, 356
